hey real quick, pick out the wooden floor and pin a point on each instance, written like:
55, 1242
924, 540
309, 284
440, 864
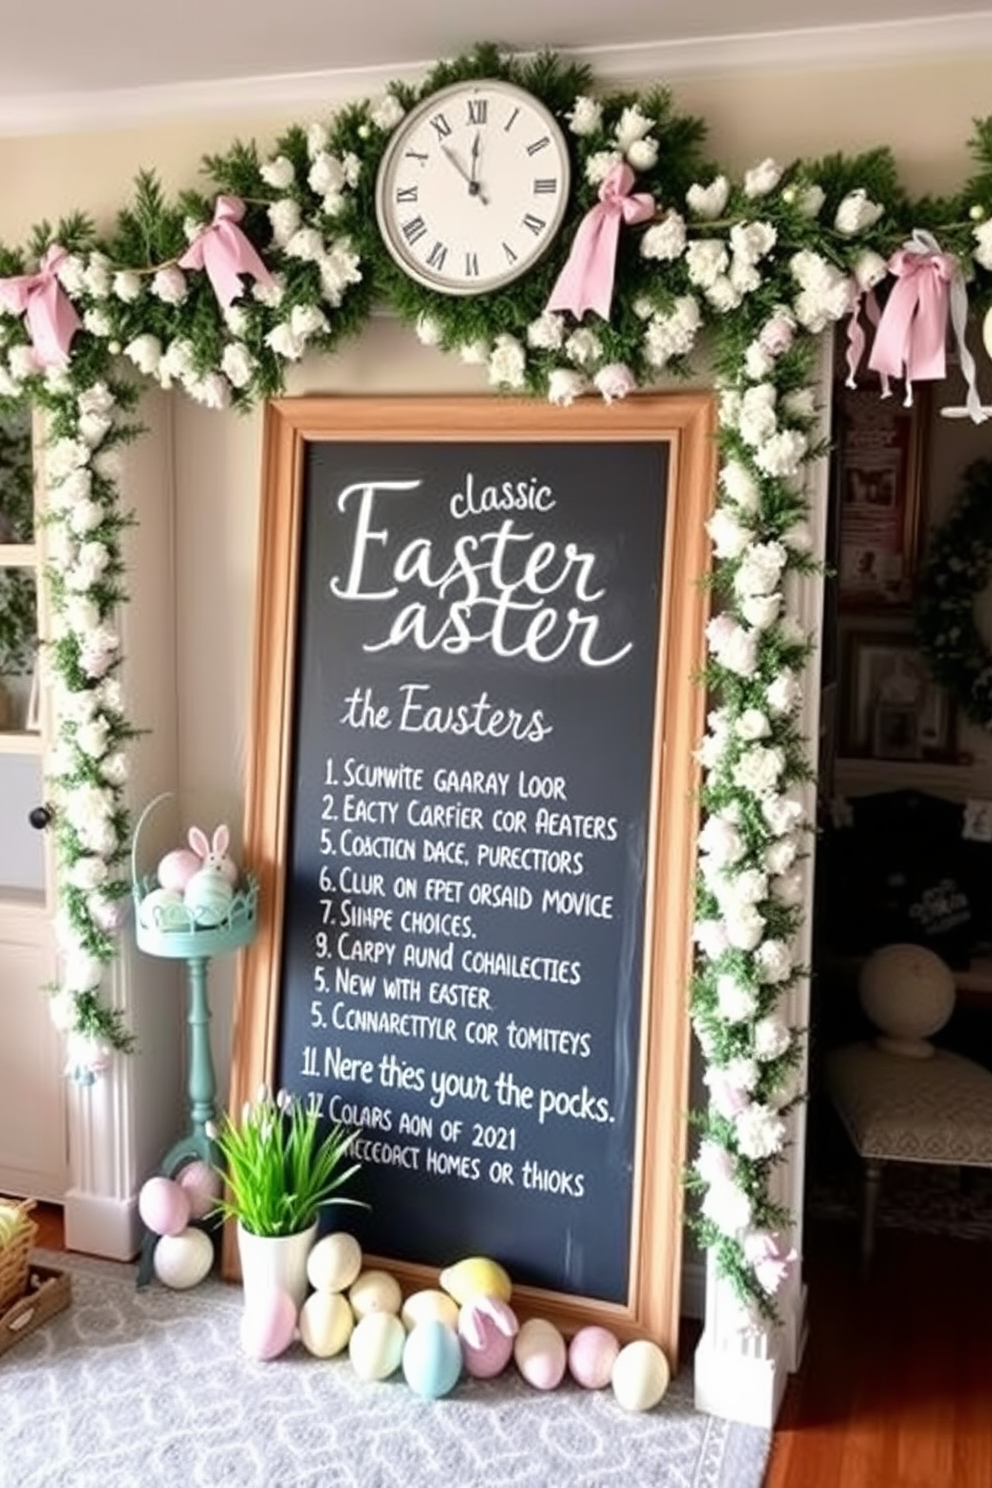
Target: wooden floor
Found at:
895, 1390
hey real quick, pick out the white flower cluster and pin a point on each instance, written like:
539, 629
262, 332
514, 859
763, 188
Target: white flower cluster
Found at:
86, 770
751, 845
632, 139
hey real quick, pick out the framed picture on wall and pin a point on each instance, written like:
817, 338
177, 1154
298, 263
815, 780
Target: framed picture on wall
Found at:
879, 494
892, 708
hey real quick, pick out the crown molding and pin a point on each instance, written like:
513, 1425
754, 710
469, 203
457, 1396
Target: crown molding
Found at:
867, 44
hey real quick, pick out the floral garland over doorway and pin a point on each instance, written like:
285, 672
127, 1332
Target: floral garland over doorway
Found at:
218, 291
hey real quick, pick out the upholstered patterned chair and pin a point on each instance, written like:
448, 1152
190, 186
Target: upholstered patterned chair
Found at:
899, 1109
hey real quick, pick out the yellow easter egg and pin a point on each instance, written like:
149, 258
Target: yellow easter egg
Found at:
375, 1291
334, 1262
640, 1375
375, 1348
476, 1276
326, 1324
429, 1306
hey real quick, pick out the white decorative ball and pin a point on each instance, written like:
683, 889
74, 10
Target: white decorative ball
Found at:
908, 993
182, 1261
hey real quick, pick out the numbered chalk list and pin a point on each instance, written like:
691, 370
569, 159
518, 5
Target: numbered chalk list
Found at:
464, 922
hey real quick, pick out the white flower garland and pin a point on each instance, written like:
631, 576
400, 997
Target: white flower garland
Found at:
769, 263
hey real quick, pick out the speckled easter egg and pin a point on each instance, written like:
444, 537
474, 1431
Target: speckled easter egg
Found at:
640, 1375
375, 1348
375, 1291
208, 897
430, 1303
334, 1262
540, 1353
486, 1339
432, 1359
163, 909
177, 868
201, 1186
164, 1206
326, 1324
182, 1261
591, 1355
268, 1323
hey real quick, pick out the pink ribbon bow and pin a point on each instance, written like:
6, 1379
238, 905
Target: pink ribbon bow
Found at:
223, 251
50, 314
586, 281
913, 328
911, 337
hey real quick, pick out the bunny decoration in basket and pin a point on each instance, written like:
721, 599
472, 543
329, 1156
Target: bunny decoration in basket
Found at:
201, 877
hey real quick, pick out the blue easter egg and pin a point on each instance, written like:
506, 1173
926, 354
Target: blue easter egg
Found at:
208, 897
432, 1359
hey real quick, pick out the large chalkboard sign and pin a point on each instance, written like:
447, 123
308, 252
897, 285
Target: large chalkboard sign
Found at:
470, 810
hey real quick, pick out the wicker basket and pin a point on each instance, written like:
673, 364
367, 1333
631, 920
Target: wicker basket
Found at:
15, 1256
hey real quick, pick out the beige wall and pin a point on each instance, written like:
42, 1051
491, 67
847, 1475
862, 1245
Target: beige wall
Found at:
923, 111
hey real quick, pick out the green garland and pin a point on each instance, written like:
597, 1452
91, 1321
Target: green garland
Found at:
957, 569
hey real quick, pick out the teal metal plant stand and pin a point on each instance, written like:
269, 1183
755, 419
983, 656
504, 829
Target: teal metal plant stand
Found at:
174, 934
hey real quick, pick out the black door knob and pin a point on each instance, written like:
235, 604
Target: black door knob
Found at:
41, 817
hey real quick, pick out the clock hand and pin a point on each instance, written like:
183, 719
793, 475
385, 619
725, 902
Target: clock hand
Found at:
474, 189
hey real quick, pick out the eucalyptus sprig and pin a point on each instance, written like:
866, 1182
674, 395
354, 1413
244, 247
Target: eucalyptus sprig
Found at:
279, 1169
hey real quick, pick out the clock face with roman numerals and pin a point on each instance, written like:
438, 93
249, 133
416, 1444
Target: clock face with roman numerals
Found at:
473, 186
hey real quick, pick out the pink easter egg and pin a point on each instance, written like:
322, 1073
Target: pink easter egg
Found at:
268, 1323
164, 1206
487, 1341
177, 868
539, 1351
201, 1185
591, 1355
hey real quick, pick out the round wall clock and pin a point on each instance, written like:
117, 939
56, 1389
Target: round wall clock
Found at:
473, 186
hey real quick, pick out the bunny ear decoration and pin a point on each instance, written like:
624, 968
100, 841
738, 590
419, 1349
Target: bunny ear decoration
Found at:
222, 839
198, 842
470, 1321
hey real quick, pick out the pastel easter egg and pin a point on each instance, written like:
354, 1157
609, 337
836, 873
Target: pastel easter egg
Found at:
375, 1291
164, 1206
591, 1355
326, 1324
375, 1347
177, 868
208, 897
540, 1354
201, 1185
432, 1359
476, 1276
420, 1306
334, 1262
640, 1375
182, 1261
487, 1328
163, 909
268, 1323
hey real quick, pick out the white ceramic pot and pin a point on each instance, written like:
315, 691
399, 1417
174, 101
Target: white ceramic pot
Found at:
275, 1260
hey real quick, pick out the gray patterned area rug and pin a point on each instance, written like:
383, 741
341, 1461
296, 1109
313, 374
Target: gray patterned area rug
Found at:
150, 1389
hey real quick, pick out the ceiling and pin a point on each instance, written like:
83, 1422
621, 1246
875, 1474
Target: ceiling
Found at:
62, 48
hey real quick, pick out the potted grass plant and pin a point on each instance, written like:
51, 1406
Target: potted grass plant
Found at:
280, 1168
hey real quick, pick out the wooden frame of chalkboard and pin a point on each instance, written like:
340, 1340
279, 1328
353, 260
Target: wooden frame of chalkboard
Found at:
471, 808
